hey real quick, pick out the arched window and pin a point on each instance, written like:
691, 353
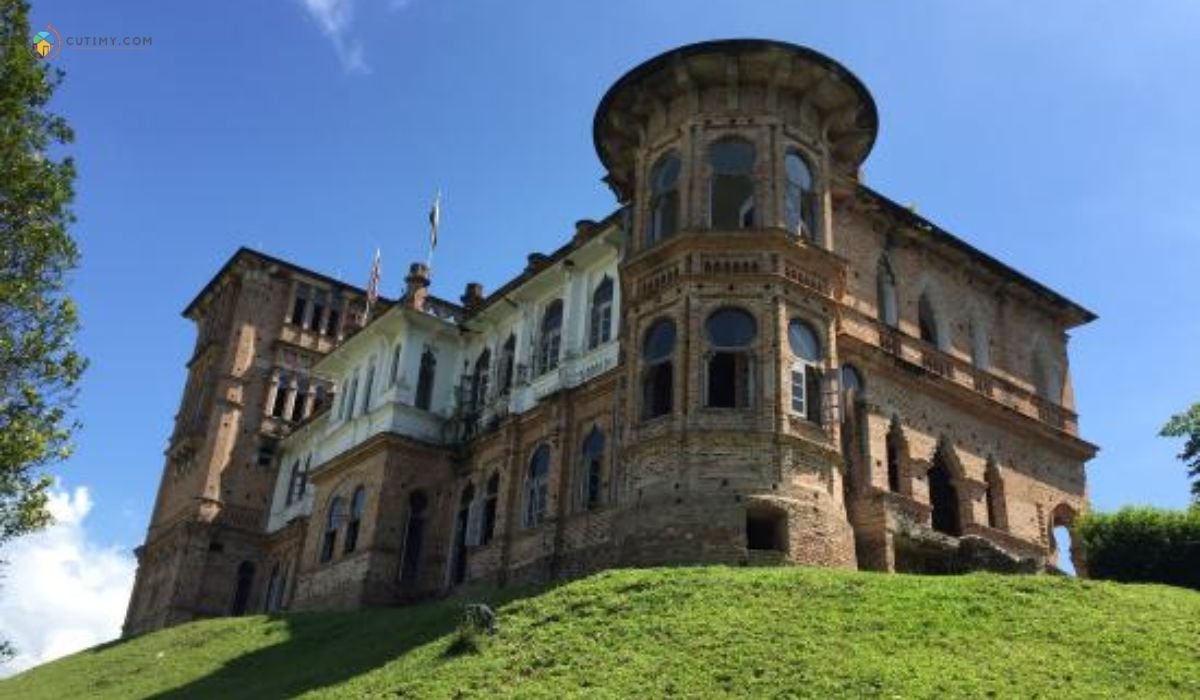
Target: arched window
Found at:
927, 321
353, 398
367, 386
358, 503
294, 488
663, 219
537, 487
806, 373
800, 201
490, 502
996, 513
600, 330
889, 310
479, 380
658, 370
979, 344
425, 379
943, 495
333, 520
241, 592
283, 386
897, 453
1062, 522
414, 536
301, 397
508, 354
591, 469
271, 599
731, 195
731, 334
550, 342
1046, 380
394, 375
853, 427
462, 534
343, 392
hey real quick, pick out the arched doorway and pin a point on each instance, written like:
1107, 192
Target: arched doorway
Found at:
461, 524
241, 593
943, 496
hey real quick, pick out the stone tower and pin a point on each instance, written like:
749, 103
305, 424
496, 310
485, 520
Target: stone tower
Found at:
260, 324
725, 154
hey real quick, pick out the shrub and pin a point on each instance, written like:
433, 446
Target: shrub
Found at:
1149, 545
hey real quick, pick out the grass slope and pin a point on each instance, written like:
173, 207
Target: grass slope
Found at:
695, 632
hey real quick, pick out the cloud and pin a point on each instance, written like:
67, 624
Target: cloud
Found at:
60, 592
333, 18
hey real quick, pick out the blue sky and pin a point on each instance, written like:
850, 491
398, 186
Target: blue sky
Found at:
1059, 139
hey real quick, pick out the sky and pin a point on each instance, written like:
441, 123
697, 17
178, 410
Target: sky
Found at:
1058, 137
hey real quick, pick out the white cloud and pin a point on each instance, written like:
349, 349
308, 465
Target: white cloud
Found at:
60, 592
333, 18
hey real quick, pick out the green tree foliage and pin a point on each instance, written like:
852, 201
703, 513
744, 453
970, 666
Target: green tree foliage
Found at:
39, 368
1149, 545
1187, 425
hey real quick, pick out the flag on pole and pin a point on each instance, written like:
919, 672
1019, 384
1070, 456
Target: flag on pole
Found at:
435, 218
373, 284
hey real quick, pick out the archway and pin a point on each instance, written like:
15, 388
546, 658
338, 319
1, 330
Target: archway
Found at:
943, 496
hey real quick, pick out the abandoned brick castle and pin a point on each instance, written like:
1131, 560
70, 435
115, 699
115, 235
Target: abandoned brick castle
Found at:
754, 359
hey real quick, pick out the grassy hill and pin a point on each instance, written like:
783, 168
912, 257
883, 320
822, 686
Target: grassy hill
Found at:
701, 632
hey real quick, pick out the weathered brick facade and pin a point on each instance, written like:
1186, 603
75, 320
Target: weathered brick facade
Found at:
755, 359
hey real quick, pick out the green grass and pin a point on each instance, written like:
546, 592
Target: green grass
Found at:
692, 632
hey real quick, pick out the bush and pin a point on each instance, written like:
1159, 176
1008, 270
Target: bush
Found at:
1149, 545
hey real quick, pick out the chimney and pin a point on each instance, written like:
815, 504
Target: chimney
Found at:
472, 297
416, 286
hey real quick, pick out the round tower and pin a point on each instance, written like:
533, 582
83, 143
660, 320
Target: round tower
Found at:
725, 154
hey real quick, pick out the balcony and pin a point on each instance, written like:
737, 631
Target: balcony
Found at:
918, 353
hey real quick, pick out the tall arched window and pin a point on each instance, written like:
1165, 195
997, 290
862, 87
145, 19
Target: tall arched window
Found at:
462, 533
479, 380
353, 398
927, 320
241, 592
800, 201
731, 195
537, 487
943, 494
293, 484
491, 501
394, 375
425, 379
663, 219
853, 427
731, 334
657, 369
897, 451
806, 373
414, 536
333, 519
1046, 380
996, 513
591, 469
358, 503
889, 310
550, 342
367, 386
600, 326
508, 354
301, 397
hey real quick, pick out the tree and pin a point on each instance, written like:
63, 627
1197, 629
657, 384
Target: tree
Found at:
39, 368
1187, 425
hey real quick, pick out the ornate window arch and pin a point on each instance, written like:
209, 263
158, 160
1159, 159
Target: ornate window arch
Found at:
731, 332
550, 339
600, 322
425, 380
537, 487
358, 505
333, 520
658, 371
591, 469
662, 219
800, 198
805, 344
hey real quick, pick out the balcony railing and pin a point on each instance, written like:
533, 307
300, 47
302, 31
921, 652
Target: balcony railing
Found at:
942, 364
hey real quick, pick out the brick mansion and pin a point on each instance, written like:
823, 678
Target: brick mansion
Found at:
754, 359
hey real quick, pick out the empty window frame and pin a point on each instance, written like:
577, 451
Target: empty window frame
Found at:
537, 487
800, 201
658, 370
600, 322
550, 341
731, 193
663, 217
731, 334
